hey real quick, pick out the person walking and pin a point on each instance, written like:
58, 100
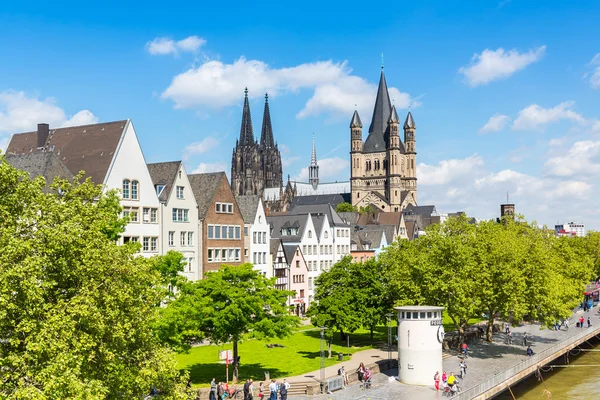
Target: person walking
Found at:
251, 390
463, 369
581, 321
509, 337
246, 389
525, 339
589, 321
529, 351
213, 390
283, 389
344, 375
507, 328
273, 390
436, 380
220, 391
465, 350
261, 390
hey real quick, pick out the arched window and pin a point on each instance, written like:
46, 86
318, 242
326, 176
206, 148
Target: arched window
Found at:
126, 188
412, 164
326, 234
368, 165
309, 234
376, 164
134, 190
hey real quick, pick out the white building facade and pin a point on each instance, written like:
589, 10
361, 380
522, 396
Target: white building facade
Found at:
570, 229
257, 233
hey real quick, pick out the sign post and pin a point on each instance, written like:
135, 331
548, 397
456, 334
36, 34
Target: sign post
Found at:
227, 356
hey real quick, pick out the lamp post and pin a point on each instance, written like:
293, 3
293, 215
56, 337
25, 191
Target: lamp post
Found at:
322, 328
389, 344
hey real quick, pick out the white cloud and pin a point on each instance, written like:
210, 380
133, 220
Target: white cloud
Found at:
210, 167
164, 46
215, 84
557, 142
4, 144
287, 161
328, 167
492, 65
496, 123
583, 158
447, 171
203, 146
20, 112
535, 117
595, 74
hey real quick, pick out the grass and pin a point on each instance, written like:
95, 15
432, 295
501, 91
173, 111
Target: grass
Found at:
300, 355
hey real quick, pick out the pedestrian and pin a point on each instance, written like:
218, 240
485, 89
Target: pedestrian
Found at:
213, 390
361, 371
509, 337
220, 391
251, 390
444, 377
525, 339
589, 321
507, 328
590, 304
283, 389
246, 389
436, 380
566, 324
273, 390
463, 369
584, 306
529, 351
465, 350
344, 375
581, 321
261, 390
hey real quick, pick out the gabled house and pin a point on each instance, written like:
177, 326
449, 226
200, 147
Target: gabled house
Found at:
43, 164
221, 225
177, 201
110, 154
291, 273
257, 235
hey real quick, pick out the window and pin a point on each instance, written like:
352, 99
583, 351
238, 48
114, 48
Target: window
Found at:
254, 234
225, 208
217, 254
297, 264
132, 213
134, 190
182, 237
230, 254
231, 232
326, 234
217, 231
309, 234
429, 314
422, 315
159, 189
146, 244
302, 290
127, 239
210, 255
224, 232
153, 215
237, 254
171, 238
146, 215
189, 264
150, 244
180, 192
238, 231
254, 260
407, 315
245, 231
190, 238
126, 188
224, 254
211, 231
304, 249
180, 215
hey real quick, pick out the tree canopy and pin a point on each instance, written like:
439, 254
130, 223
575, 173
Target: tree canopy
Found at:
75, 308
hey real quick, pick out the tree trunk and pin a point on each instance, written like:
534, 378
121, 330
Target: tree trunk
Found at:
490, 326
329, 347
235, 361
461, 333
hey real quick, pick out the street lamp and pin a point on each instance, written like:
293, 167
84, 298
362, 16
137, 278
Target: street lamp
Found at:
322, 328
389, 344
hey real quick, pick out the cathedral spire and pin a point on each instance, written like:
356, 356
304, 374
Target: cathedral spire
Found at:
377, 139
313, 168
246, 133
266, 134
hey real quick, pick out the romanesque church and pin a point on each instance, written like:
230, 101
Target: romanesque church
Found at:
255, 166
383, 167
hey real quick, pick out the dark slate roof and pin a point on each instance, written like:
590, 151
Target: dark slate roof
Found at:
376, 141
274, 246
356, 122
420, 210
44, 164
410, 122
204, 187
88, 148
165, 174
330, 199
372, 238
334, 218
411, 227
266, 134
289, 250
246, 131
350, 218
394, 116
248, 207
280, 222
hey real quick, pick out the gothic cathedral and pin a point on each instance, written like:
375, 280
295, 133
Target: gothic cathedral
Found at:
254, 166
383, 172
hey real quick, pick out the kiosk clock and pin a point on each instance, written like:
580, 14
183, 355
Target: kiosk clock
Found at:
440, 334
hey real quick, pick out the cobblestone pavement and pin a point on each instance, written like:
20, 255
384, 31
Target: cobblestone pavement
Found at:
485, 360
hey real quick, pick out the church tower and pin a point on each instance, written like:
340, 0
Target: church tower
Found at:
313, 168
383, 168
255, 166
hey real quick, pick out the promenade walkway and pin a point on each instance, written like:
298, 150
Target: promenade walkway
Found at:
485, 361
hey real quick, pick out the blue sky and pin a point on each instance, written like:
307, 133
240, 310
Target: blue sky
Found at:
504, 93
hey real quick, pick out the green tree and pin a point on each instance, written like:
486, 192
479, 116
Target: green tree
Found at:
228, 306
76, 309
345, 207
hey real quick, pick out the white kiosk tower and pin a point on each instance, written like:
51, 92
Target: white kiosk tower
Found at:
420, 337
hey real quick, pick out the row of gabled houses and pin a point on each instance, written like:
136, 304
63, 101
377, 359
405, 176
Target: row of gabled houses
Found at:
199, 215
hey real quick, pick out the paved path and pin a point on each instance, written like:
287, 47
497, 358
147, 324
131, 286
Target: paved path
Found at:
485, 360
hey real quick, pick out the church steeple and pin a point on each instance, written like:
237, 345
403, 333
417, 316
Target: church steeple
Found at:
246, 132
266, 134
313, 168
376, 141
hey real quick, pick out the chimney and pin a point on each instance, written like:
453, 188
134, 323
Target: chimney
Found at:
43, 130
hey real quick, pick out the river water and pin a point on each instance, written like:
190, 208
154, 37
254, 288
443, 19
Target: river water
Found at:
581, 381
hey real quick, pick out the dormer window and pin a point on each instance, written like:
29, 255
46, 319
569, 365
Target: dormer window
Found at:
309, 234
159, 189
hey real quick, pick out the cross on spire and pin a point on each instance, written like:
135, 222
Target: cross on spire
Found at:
382, 61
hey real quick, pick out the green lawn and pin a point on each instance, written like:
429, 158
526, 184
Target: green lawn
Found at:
301, 354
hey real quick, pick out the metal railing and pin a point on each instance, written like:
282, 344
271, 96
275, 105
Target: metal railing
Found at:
536, 359
335, 383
